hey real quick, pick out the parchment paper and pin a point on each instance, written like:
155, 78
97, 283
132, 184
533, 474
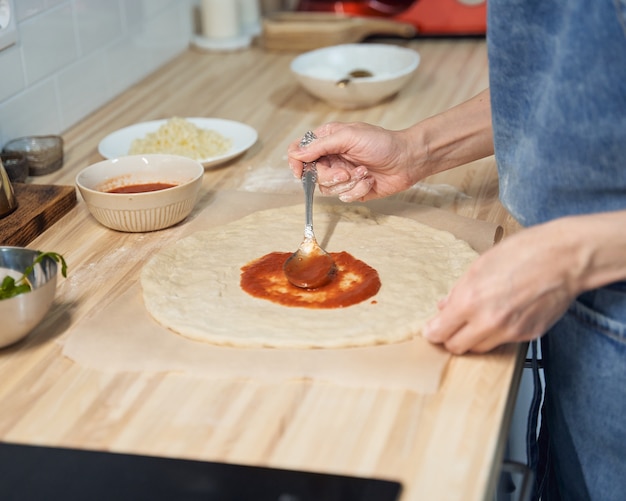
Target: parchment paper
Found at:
124, 337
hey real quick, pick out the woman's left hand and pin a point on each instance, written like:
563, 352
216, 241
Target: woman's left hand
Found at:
513, 292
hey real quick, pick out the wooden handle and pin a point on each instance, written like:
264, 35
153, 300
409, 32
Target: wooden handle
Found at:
372, 26
311, 30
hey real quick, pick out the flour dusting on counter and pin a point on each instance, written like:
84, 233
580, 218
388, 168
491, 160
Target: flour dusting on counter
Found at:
272, 179
438, 195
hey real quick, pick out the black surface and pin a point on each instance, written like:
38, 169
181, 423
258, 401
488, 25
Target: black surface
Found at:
42, 473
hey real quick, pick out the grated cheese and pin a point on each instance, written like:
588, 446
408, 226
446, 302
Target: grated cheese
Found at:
179, 136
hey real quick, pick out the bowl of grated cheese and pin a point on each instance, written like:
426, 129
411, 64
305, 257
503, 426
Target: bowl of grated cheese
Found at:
211, 141
141, 193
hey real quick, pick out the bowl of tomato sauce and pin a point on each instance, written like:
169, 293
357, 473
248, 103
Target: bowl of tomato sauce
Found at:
141, 193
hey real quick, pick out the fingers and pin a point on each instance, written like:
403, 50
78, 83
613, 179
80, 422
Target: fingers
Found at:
324, 144
464, 325
465, 339
337, 176
297, 156
445, 329
332, 139
354, 161
480, 329
347, 184
460, 338
360, 191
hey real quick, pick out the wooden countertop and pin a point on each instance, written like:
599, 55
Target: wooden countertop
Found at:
442, 446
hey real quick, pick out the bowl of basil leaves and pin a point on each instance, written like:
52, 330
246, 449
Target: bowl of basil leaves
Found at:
27, 288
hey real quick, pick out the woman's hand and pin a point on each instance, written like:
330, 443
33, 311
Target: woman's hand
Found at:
358, 161
514, 292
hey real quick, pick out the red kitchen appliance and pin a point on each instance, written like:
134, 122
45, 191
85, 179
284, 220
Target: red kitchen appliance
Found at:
430, 17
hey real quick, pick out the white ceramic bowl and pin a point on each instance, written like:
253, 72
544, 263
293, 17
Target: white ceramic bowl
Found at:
147, 211
318, 71
22, 313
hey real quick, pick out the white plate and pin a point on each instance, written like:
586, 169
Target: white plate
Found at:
117, 144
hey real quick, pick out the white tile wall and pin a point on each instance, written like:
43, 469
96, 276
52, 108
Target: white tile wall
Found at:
72, 56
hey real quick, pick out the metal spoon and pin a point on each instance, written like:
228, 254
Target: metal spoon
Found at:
310, 266
353, 74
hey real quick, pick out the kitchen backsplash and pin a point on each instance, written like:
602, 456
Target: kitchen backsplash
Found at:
72, 56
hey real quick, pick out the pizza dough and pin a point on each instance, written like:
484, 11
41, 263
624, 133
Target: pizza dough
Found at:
192, 287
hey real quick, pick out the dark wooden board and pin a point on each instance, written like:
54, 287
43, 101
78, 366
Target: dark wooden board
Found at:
39, 206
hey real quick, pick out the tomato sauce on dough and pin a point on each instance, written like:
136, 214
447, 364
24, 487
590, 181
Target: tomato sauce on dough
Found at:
353, 282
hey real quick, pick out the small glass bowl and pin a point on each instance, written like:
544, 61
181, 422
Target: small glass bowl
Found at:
16, 166
44, 154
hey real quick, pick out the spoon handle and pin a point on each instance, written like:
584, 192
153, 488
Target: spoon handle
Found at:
309, 178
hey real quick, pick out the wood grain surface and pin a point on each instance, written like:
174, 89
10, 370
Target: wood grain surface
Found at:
442, 446
38, 208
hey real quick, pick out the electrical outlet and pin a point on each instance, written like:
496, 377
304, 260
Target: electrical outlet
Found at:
8, 29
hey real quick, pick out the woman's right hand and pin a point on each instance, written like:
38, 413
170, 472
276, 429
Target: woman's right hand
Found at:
358, 161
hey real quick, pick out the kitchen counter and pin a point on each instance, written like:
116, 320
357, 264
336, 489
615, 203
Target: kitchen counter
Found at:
442, 446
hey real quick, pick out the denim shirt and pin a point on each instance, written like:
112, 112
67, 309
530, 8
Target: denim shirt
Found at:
558, 92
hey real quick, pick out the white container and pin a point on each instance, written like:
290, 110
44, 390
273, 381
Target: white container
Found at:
318, 71
220, 19
221, 26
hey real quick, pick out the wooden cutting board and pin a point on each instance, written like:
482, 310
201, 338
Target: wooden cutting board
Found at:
39, 206
312, 30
